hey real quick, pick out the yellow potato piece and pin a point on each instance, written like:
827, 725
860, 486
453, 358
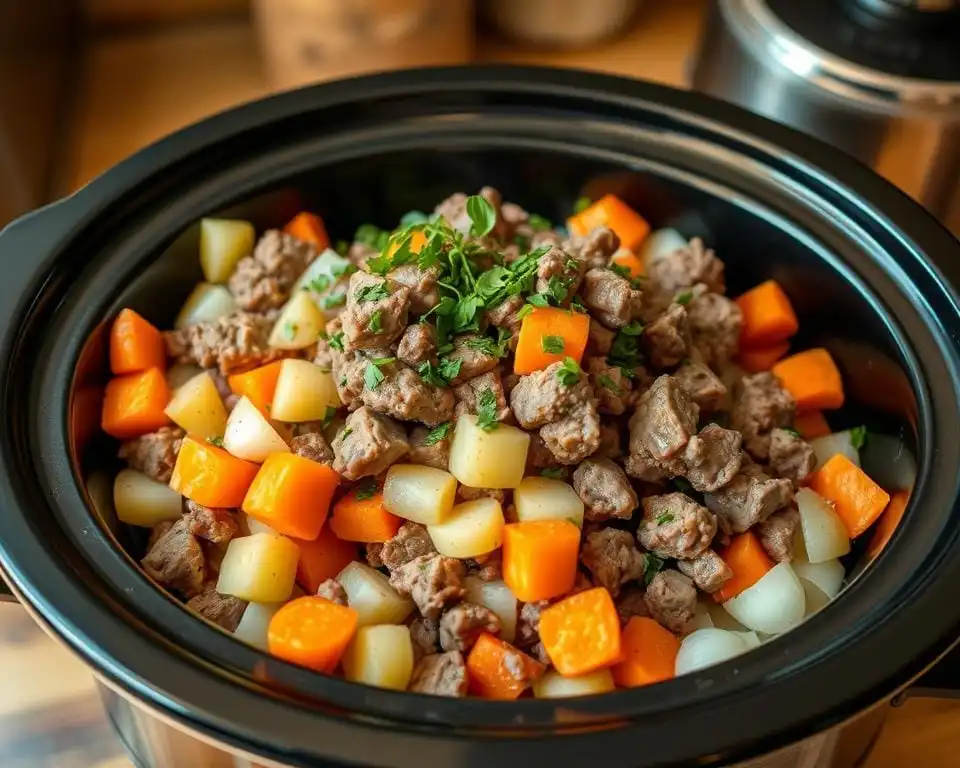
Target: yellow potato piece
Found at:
472, 528
197, 408
223, 242
553, 685
422, 494
206, 303
304, 392
141, 500
260, 568
482, 459
299, 325
249, 435
369, 593
540, 498
381, 656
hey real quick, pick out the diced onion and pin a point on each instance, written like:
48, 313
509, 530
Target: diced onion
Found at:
660, 243
255, 526
223, 242
824, 534
141, 500
723, 620
828, 575
369, 593
205, 304
496, 596
249, 435
419, 493
381, 656
889, 463
541, 498
553, 685
828, 446
471, 529
750, 639
773, 605
707, 647
254, 623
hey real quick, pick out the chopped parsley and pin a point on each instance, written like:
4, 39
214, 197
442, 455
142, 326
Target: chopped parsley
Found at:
342, 247
554, 473
858, 437
483, 218
539, 223
329, 415
366, 489
333, 300
215, 440
683, 485
290, 330
336, 341
487, 411
665, 518
538, 300
319, 284
621, 270
652, 565
581, 204
625, 350
339, 270
376, 322
441, 374
525, 310
552, 345
438, 433
371, 235
569, 373
632, 329
794, 432
607, 383
488, 346
557, 289
372, 375
413, 217
346, 433
576, 304
372, 293
684, 298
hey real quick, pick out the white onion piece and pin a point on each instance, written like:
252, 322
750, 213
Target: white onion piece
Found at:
249, 435
825, 536
701, 619
773, 605
750, 639
815, 598
828, 575
828, 446
707, 647
496, 596
207, 302
889, 463
723, 620
254, 623
660, 243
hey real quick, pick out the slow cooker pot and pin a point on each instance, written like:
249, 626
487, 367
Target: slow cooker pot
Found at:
869, 271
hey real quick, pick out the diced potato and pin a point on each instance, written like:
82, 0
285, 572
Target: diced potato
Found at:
141, 500
553, 685
422, 494
304, 392
482, 459
249, 435
825, 536
327, 275
380, 655
223, 242
496, 596
540, 498
254, 623
197, 408
180, 374
299, 324
260, 568
471, 529
206, 303
369, 593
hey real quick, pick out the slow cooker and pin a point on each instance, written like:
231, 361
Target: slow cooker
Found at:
869, 271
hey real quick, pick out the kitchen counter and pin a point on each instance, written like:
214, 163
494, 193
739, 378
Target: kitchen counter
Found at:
139, 87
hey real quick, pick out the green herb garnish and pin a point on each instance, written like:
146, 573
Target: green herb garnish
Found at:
794, 432
339, 270
539, 223
652, 565
858, 437
215, 440
581, 204
483, 217
366, 489
319, 284
525, 310
346, 433
372, 375
569, 372
665, 518
329, 415
632, 329
376, 322
538, 300
552, 345
371, 235
576, 304
487, 411
683, 298
442, 373
438, 433
371, 293
333, 300
413, 217
607, 383
336, 341
554, 473
487, 346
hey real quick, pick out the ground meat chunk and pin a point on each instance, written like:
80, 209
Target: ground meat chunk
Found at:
599, 340
372, 552
440, 674
404, 395
609, 447
210, 523
154, 453
436, 454
486, 567
348, 371
176, 560
232, 343
708, 571
558, 265
614, 390
454, 210
333, 590
539, 398
263, 280
575, 437
791, 456
760, 405
375, 313
417, 344
467, 493
474, 354
666, 341
671, 599
595, 249
777, 534
313, 446
750, 498
631, 604
425, 636
506, 315
703, 386
611, 555
410, 542
461, 625
714, 322
223, 389
664, 420
422, 283
712, 458
469, 393
433, 581
538, 455
675, 526
605, 490
610, 298
688, 266
368, 444
223, 610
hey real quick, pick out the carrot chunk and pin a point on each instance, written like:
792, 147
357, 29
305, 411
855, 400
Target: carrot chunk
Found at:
310, 228
888, 523
540, 558
856, 498
322, 559
135, 344
761, 358
749, 562
209, 475
364, 519
582, 632
610, 211
134, 404
497, 670
311, 631
629, 261
257, 385
548, 335
292, 495
811, 424
812, 378
649, 654
768, 315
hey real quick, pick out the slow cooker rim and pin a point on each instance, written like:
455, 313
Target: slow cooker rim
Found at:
389, 80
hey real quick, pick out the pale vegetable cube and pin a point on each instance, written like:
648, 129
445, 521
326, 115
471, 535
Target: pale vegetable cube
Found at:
380, 655
255, 622
326, 275
828, 446
369, 593
498, 597
553, 685
304, 392
824, 534
828, 576
141, 500
540, 498
260, 568
773, 605
660, 243
706, 647
197, 408
482, 459
299, 325
180, 374
249, 435
471, 529
419, 493
223, 242
205, 304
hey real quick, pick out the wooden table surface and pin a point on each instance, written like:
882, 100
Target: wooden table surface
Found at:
136, 89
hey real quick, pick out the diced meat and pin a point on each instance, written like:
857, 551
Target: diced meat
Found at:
688, 266
666, 341
323, 355
158, 532
609, 442
425, 636
712, 458
375, 313
791, 456
675, 526
671, 599
611, 555
469, 393
313, 446
703, 386
410, 542
574, 438
750, 498
436, 454
631, 604
422, 283
486, 567
714, 322
708, 571
555, 267
467, 493
232, 343
359, 253
610, 298
760, 405
538, 455
373, 552
404, 395
223, 610
348, 371
154, 453
461, 625
440, 674
433, 581
332, 590
614, 390
506, 315
176, 560
539, 398
264, 279
545, 237
475, 359
599, 340
417, 344
596, 248
605, 490
528, 630
368, 444
664, 420
777, 534
210, 523
515, 220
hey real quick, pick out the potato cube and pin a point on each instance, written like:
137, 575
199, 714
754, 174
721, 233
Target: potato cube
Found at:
304, 392
223, 242
299, 325
540, 498
380, 655
141, 500
197, 408
471, 529
482, 459
260, 568
422, 494
369, 593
